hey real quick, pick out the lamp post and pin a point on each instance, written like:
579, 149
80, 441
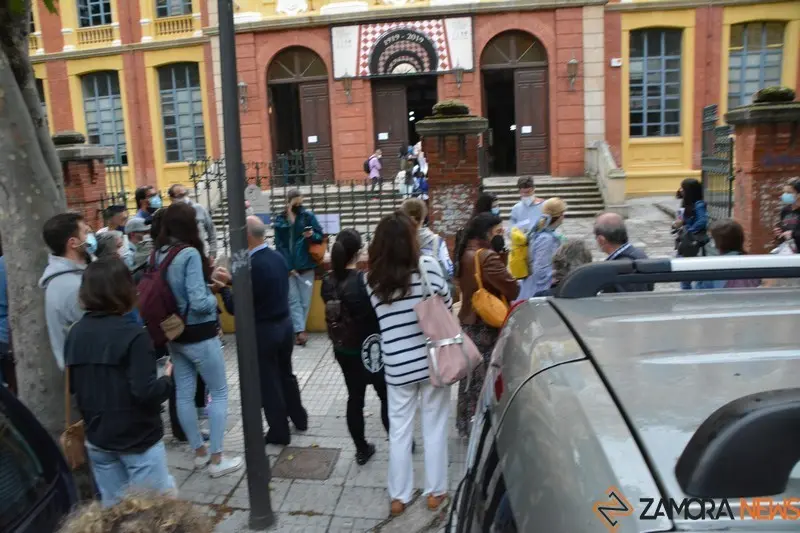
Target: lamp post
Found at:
258, 470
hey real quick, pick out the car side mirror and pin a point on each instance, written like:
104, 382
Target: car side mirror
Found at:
747, 448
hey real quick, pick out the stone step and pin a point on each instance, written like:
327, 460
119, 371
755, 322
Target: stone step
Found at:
358, 208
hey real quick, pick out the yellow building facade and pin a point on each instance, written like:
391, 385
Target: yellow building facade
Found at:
143, 77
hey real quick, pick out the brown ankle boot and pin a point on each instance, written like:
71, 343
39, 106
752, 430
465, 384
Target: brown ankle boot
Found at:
435, 501
398, 507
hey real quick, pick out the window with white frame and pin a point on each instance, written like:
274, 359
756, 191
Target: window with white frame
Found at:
182, 112
173, 8
756, 54
94, 12
102, 103
655, 82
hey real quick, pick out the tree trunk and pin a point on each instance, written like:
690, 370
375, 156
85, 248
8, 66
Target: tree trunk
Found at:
31, 191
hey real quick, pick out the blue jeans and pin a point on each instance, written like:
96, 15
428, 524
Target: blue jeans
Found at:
116, 472
204, 357
301, 288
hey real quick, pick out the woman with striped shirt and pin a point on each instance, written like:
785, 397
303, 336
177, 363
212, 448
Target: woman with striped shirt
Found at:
395, 287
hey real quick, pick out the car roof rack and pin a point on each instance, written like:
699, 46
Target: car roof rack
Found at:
588, 280
747, 448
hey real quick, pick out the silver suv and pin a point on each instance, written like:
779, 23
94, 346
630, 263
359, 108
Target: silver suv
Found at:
642, 412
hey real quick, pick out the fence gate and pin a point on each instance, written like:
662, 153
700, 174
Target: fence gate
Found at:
717, 165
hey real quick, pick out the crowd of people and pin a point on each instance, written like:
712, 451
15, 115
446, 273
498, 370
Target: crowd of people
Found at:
133, 311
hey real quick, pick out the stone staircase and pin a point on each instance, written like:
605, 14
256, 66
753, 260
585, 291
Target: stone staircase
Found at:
582, 195
358, 208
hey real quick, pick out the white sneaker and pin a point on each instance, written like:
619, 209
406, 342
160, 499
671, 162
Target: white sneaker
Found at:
202, 462
225, 466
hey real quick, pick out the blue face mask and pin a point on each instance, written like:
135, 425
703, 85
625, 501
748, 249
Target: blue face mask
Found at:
788, 198
155, 202
91, 243
496, 211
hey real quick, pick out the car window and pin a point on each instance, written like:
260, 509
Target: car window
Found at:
21, 475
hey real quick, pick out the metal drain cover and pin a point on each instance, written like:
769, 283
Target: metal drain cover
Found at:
306, 463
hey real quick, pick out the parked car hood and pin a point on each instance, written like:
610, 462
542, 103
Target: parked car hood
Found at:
672, 359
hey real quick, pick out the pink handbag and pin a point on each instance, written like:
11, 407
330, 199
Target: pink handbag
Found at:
452, 356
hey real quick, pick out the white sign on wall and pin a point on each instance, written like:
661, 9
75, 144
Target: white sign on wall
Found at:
330, 222
434, 45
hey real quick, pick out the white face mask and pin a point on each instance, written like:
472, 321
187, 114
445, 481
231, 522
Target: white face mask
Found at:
527, 201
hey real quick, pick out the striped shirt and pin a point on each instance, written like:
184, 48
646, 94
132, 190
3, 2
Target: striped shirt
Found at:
405, 358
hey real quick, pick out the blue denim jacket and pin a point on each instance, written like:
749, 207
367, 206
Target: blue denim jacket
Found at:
699, 220
185, 278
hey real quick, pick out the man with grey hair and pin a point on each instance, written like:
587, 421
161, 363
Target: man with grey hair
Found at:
567, 258
280, 392
612, 238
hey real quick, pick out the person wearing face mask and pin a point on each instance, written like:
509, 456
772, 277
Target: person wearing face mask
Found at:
525, 213
542, 245
110, 244
208, 233
788, 229
71, 244
140, 244
484, 238
486, 203
148, 202
295, 229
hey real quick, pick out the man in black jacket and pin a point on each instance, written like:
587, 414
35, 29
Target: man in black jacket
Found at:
612, 238
280, 392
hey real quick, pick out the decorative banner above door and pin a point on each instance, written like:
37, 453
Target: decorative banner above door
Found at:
397, 48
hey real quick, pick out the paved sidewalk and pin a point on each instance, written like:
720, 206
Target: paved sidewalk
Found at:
353, 499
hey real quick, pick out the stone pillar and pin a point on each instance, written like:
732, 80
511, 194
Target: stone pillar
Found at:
84, 175
767, 154
450, 142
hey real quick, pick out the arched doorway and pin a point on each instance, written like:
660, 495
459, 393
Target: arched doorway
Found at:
299, 108
514, 69
403, 65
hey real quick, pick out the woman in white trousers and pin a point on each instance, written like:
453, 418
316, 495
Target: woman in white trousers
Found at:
395, 287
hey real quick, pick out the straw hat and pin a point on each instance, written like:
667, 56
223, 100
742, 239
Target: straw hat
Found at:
554, 207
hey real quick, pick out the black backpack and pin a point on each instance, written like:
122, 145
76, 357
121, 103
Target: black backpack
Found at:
343, 330
366, 165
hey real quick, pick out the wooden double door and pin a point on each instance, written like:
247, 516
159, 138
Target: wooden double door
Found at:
516, 104
301, 120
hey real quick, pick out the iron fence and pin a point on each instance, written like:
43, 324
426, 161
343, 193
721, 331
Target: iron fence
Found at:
92, 209
717, 165
354, 204
115, 186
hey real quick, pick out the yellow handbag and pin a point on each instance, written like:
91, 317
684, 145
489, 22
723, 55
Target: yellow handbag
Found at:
518, 257
490, 308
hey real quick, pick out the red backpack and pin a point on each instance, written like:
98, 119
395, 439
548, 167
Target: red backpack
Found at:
157, 305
